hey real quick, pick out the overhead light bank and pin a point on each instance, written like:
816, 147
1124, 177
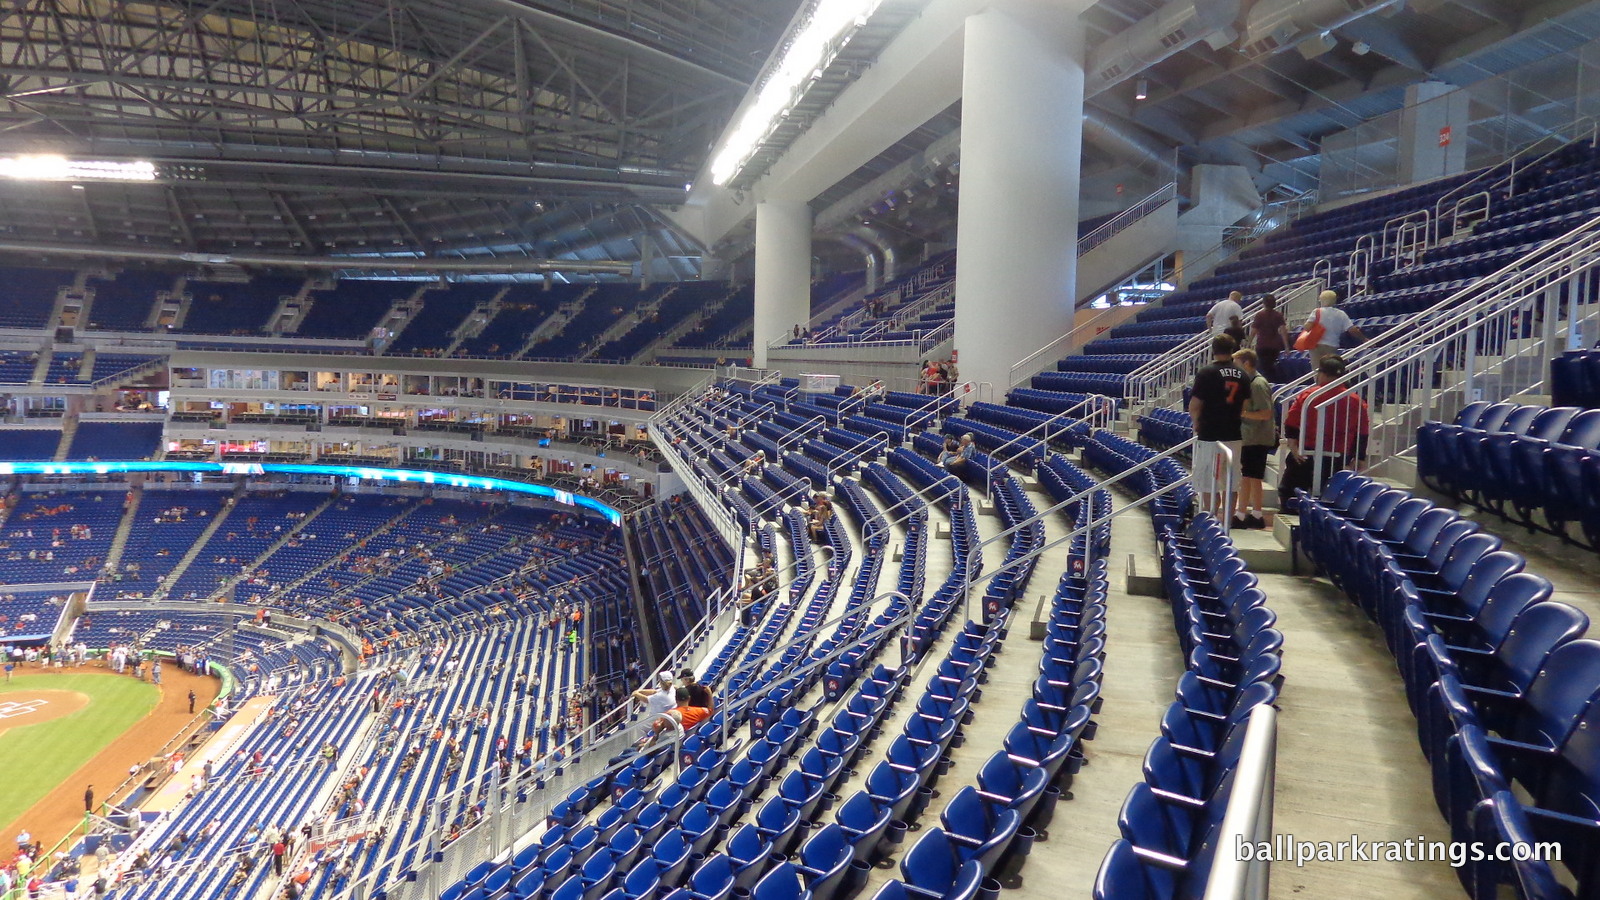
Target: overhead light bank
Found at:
808, 54
49, 167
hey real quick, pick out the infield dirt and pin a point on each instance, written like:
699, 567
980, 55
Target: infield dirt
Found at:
61, 810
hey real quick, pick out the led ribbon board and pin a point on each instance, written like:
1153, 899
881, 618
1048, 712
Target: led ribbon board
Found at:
365, 473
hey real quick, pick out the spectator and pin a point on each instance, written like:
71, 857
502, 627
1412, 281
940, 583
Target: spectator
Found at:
1215, 405
1271, 332
956, 457
821, 512
687, 715
1259, 439
1335, 324
1226, 316
657, 700
1326, 429
756, 464
699, 694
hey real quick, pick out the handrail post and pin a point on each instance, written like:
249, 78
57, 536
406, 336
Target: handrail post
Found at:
976, 552
1248, 817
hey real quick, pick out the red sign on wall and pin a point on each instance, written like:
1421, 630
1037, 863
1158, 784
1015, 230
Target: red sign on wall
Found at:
1444, 136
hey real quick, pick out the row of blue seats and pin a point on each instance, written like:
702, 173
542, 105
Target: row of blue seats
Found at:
1171, 821
803, 793
1575, 379
1516, 461
1081, 382
1163, 428
1503, 685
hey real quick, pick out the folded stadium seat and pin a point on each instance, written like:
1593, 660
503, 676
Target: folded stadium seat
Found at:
1471, 449
1479, 634
1004, 781
781, 883
777, 821
1501, 482
980, 829
1510, 665
1525, 739
864, 824
1549, 471
1157, 825
712, 878
824, 860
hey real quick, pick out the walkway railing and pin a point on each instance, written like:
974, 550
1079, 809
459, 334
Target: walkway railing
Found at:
1161, 377
1122, 220
1248, 819
1490, 341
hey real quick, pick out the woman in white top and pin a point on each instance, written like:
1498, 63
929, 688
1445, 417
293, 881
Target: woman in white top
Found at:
1335, 324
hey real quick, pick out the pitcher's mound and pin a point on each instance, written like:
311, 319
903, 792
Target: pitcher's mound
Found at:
19, 709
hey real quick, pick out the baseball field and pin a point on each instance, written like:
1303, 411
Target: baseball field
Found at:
61, 731
52, 724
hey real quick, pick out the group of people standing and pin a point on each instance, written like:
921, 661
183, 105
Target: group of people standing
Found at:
1231, 407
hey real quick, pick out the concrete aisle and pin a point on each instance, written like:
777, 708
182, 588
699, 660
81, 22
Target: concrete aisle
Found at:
1348, 758
1142, 669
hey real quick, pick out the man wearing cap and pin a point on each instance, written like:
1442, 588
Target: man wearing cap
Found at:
657, 699
699, 694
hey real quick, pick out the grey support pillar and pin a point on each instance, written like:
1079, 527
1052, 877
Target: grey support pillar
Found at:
783, 271
1433, 132
1021, 143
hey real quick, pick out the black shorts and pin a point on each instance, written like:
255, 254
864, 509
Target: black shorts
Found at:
1253, 460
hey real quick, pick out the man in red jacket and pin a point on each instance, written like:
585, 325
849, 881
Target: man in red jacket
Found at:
1327, 426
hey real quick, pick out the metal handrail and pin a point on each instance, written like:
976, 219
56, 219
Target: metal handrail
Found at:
803, 431
1468, 305
1395, 227
1091, 401
975, 554
1178, 359
845, 647
766, 408
840, 465
1501, 321
1120, 222
1248, 816
1511, 167
1076, 532
926, 495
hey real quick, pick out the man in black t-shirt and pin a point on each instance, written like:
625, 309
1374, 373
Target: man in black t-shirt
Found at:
1216, 405
699, 694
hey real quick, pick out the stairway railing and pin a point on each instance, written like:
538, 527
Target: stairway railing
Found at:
1158, 198
1175, 368
1491, 340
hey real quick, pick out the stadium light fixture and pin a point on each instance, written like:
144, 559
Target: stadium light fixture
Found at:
49, 167
809, 52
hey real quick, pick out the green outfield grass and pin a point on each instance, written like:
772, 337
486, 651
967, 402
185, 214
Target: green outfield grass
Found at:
40, 757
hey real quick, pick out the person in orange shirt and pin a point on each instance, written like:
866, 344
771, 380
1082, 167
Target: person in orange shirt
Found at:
688, 717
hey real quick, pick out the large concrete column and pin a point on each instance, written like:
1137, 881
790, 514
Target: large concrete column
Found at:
1016, 227
783, 271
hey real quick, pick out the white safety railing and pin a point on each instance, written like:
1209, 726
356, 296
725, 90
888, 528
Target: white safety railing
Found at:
1098, 408
1159, 380
1121, 221
975, 553
1492, 340
1500, 179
